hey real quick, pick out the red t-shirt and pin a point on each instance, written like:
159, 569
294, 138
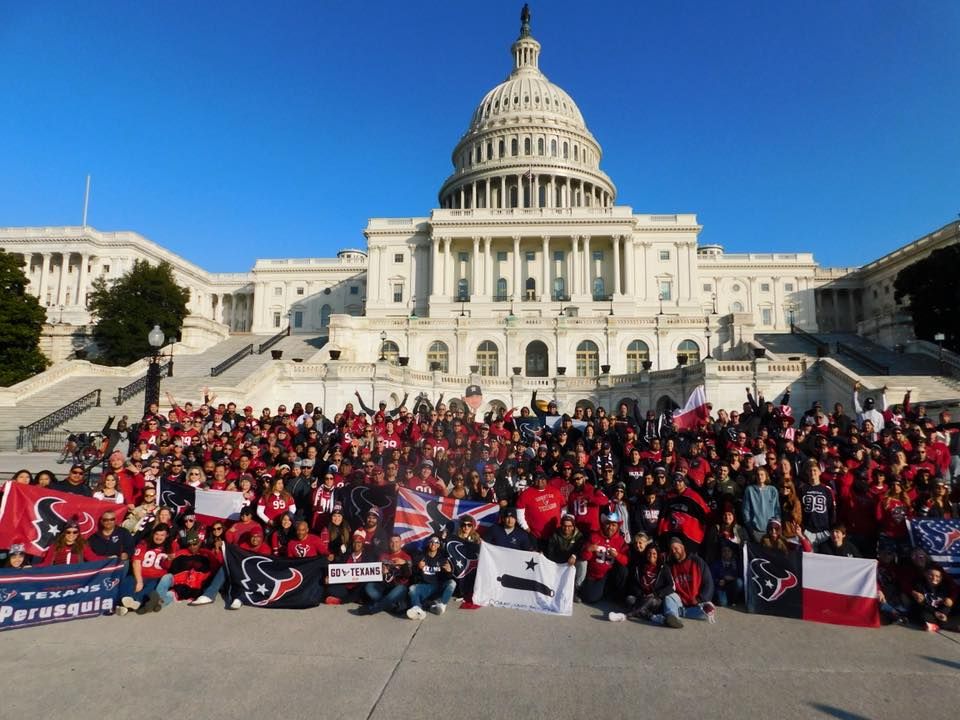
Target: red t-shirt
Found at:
310, 546
541, 510
153, 561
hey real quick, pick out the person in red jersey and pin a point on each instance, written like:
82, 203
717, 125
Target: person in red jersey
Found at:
275, 502
145, 589
584, 504
539, 509
607, 555
69, 547
304, 544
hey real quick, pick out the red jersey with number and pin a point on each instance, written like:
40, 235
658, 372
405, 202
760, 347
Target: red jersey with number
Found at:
584, 505
153, 561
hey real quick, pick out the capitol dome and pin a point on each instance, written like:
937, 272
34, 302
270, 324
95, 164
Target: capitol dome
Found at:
527, 145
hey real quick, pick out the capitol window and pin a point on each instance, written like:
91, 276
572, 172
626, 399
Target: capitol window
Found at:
553, 145
391, 352
277, 291
788, 287
637, 353
398, 292
325, 316
566, 151
764, 287
526, 147
664, 254
503, 148
540, 146
398, 258
501, 256
588, 359
438, 356
690, 350
514, 147
487, 358
354, 289
707, 287
666, 290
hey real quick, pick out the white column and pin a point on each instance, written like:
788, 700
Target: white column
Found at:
476, 283
616, 264
575, 265
516, 268
62, 287
631, 265
545, 290
473, 196
691, 270
435, 274
486, 197
488, 265
44, 278
448, 268
82, 281
412, 286
375, 253
677, 248
587, 267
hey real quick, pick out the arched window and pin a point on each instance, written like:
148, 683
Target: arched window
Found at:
539, 146
599, 289
391, 351
736, 306
503, 149
526, 147
553, 148
588, 359
537, 359
325, 316
576, 152
690, 350
487, 358
514, 147
637, 354
463, 289
566, 151
513, 196
530, 289
501, 289
438, 356
489, 151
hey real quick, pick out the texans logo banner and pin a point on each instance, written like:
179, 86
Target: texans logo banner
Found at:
58, 593
523, 581
35, 515
941, 539
420, 515
358, 499
209, 505
463, 556
808, 586
269, 582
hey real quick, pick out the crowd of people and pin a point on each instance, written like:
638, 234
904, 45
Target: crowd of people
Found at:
653, 519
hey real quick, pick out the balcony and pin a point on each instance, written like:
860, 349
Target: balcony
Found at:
501, 298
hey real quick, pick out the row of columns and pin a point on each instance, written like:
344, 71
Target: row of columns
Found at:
578, 270
493, 192
233, 309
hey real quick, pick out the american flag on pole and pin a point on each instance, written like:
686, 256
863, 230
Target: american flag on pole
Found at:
941, 539
529, 174
419, 515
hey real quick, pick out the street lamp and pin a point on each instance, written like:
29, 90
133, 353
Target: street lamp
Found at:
713, 297
708, 334
383, 345
660, 299
152, 390
940, 337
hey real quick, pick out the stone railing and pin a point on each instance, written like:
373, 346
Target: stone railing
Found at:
11, 396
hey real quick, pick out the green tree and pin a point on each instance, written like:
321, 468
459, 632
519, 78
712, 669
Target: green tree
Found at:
126, 309
21, 322
932, 289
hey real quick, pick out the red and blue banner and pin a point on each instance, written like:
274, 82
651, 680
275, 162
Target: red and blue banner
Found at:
419, 515
941, 540
58, 593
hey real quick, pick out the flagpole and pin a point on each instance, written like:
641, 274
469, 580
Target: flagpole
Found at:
86, 201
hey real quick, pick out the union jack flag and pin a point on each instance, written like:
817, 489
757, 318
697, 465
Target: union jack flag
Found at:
419, 515
940, 538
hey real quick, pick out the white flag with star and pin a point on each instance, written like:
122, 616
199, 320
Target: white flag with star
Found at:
523, 581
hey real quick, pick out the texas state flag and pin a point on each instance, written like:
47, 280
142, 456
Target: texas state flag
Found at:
808, 586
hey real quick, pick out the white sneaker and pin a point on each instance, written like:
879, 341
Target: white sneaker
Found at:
235, 604
202, 600
416, 613
657, 619
129, 603
710, 610
438, 608
616, 617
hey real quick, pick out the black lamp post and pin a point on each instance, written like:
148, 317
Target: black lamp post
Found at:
383, 344
151, 394
660, 299
708, 334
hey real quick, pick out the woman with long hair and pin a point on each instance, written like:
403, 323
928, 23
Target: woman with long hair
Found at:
761, 504
108, 489
275, 502
791, 508
893, 511
69, 548
336, 535
283, 532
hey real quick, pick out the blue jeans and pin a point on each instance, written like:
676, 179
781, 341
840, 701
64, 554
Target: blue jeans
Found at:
442, 592
730, 593
216, 582
161, 585
383, 596
673, 605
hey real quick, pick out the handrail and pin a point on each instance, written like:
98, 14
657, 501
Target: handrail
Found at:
29, 433
232, 360
822, 346
138, 386
264, 346
862, 357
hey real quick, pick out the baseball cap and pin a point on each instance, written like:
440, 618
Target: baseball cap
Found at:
472, 390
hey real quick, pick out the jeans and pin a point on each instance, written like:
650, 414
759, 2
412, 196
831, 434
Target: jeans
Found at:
731, 592
385, 596
673, 605
442, 592
161, 585
216, 582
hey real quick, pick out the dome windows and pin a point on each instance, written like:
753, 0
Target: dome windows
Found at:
539, 146
526, 147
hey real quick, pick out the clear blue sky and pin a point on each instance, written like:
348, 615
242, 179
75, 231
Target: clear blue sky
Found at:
231, 131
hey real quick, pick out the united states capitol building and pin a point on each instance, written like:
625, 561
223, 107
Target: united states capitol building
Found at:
527, 271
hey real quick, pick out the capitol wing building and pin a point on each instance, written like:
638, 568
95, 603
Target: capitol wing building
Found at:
527, 269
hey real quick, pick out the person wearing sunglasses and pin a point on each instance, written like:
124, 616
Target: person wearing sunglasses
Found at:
69, 548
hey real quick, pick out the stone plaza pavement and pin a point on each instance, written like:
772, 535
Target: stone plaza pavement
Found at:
206, 662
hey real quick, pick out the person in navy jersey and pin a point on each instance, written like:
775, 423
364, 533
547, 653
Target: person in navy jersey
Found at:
508, 533
111, 540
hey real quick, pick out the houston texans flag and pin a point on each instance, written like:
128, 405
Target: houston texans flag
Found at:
694, 412
941, 539
209, 505
272, 582
420, 515
523, 581
808, 586
34, 515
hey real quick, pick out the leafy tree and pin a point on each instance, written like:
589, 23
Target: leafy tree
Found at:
21, 322
932, 287
126, 309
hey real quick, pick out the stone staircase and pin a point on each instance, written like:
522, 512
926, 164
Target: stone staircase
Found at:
191, 375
